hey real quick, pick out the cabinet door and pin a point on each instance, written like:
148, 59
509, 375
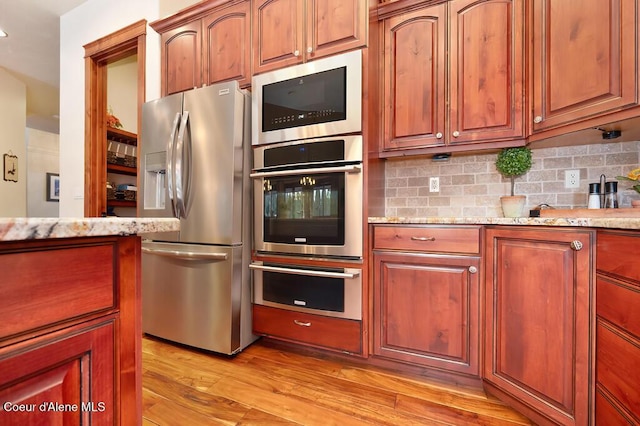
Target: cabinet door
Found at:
537, 301
585, 59
72, 369
278, 32
414, 79
227, 45
486, 77
335, 26
181, 63
426, 310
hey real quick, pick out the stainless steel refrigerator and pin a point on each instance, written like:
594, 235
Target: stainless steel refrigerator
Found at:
196, 149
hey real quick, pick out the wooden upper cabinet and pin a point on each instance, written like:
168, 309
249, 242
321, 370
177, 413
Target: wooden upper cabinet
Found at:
227, 45
486, 74
584, 60
289, 32
475, 95
414, 79
181, 58
205, 44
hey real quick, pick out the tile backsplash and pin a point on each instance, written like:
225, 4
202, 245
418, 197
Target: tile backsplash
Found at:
470, 185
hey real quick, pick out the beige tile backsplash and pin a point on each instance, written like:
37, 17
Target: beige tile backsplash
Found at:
470, 185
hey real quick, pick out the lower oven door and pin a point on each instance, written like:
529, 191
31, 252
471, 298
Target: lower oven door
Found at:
333, 292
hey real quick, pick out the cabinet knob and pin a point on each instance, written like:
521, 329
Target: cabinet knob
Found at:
456, 133
439, 135
576, 245
537, 119
423, 238
296, 53
473, 269
309, 49
302, 324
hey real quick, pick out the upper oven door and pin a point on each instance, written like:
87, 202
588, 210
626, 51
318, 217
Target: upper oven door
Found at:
318, 98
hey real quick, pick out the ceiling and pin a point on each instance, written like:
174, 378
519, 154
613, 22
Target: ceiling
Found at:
31, 53
32, 47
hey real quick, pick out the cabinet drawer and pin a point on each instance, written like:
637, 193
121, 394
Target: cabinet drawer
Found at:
41, 288
340, 334
617, 358
618, 255
449, 239
619, 304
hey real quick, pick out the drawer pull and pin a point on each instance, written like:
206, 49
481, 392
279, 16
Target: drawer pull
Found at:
423, 238
576, 245
473, 269
302, 324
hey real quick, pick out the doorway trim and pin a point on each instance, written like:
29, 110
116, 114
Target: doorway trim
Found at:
128, 41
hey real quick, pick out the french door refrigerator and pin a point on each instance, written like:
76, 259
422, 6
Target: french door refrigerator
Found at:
196, 151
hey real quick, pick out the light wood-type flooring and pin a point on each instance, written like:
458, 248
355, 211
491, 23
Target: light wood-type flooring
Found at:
268, 385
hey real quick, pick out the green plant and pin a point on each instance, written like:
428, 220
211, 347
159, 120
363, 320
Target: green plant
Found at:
514, 162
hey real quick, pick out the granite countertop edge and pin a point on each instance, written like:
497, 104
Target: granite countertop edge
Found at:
600, 222
16, 229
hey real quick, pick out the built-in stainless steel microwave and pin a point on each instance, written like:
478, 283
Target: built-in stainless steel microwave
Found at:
314, 99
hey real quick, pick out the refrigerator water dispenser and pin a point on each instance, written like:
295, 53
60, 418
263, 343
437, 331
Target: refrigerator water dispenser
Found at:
155, 180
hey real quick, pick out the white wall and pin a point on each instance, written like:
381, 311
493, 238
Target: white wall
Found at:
122, 90
42, 158
86, 23
13, 119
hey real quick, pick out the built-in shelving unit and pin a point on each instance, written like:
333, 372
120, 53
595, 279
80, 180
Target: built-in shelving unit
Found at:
130, 139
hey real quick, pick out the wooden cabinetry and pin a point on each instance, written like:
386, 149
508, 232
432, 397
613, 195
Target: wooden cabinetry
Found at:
584, 60
121, 164
450, 81
617, 329
70, 331
426, 296
329, 333
205, 44
289, 32
538, 321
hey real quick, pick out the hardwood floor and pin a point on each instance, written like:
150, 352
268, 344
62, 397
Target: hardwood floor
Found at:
265, 385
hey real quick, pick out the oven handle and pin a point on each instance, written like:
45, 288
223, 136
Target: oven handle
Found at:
348, 169
308, 272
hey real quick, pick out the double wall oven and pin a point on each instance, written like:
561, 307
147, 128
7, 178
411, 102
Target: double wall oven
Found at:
308, 185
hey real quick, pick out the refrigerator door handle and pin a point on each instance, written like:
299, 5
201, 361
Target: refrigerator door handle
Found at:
308, 272
170, 163
180, 166
186, 255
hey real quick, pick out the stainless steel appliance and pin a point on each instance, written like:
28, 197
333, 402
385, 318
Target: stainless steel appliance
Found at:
314, 99
334, 292
308, 197
195, 161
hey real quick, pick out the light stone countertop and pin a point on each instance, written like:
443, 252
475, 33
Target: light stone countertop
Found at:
594, 222
14, 229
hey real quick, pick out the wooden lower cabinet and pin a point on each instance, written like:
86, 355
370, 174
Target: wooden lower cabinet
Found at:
426, 310
64, 379
617, 329
538, 321
70, 332
426, 294
328, 333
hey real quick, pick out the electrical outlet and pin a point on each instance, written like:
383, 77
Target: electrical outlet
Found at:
572, 178
434, 184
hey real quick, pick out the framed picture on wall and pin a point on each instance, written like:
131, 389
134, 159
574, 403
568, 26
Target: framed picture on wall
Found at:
10, 167
53, 187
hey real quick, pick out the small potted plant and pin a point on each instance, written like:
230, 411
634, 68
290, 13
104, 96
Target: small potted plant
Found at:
511, 163
633, 176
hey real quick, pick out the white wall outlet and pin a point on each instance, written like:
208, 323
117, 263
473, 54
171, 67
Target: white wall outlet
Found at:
572, 178
434, 184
